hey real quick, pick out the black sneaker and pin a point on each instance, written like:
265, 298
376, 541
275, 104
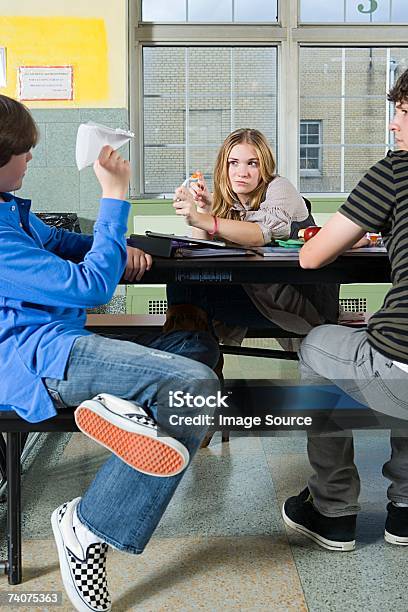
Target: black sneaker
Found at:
333, 533
396, 525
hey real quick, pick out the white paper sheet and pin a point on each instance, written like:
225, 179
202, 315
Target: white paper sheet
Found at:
91, 137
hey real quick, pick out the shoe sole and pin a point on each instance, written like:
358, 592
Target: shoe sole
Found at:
318, 539
65, 570
151, 456
396, 540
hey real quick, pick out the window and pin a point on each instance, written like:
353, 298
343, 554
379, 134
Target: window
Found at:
314, 79
310, 156
346, 89
193, 99
209, 11
354, 11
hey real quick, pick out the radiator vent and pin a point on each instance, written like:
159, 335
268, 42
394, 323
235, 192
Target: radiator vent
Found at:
157, 307
353, 304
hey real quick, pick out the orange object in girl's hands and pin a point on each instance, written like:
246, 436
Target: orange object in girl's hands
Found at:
196, 176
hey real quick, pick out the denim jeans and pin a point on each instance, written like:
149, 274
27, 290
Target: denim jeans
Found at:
123, 506
344, 356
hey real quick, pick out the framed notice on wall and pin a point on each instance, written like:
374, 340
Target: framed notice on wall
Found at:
45, 82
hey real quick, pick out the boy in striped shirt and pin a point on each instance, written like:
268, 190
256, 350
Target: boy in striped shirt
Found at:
370, 364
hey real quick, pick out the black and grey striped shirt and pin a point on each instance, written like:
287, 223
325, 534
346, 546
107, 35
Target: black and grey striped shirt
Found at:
379, 203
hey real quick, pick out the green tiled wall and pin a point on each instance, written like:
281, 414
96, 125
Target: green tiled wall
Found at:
53, 182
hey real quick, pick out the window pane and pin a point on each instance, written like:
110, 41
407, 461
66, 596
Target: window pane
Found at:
352, 111
210, 10
163, 10
358, 11
164, 169
400, 11
329, 179
156, 130
354, 11
202, 158
168, 82
193, 97
321, 11
255, 10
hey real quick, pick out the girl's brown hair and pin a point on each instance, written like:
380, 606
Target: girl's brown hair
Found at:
224, 197
18, 131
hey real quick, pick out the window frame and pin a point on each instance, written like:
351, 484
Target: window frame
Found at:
287, 35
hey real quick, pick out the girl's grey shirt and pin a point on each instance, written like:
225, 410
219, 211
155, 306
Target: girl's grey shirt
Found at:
283, 304
282, 205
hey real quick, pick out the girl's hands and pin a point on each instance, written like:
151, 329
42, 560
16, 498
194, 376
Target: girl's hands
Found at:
201, 194
185, 205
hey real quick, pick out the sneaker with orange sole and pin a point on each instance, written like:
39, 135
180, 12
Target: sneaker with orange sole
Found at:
131, 434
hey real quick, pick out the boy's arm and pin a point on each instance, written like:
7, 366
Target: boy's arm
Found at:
32, 274
338, 235
66, 244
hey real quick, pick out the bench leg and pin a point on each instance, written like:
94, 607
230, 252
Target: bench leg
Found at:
3, 452
14, 507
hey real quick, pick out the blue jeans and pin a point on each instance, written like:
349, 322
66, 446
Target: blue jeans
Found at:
123, 506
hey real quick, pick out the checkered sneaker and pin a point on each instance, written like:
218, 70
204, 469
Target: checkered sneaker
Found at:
90, 576
84, 576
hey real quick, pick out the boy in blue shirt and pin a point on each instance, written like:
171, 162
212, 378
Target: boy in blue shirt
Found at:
48, 277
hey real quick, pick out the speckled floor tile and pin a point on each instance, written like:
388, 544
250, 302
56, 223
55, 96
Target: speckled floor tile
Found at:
289, 473
373, 578
224, 492
216, 574
277, 443
223, 495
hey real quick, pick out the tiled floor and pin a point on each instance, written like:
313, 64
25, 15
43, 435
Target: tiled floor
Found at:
222, 545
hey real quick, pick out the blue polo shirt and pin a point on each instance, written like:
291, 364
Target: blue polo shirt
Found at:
48, 277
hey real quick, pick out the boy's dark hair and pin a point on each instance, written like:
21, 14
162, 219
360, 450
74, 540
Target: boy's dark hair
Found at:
18, 131
399, 93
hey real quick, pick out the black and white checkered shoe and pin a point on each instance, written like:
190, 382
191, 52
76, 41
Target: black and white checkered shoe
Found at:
82, 563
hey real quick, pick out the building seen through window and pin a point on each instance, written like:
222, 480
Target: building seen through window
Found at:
343, 91
320, 100
193, 98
